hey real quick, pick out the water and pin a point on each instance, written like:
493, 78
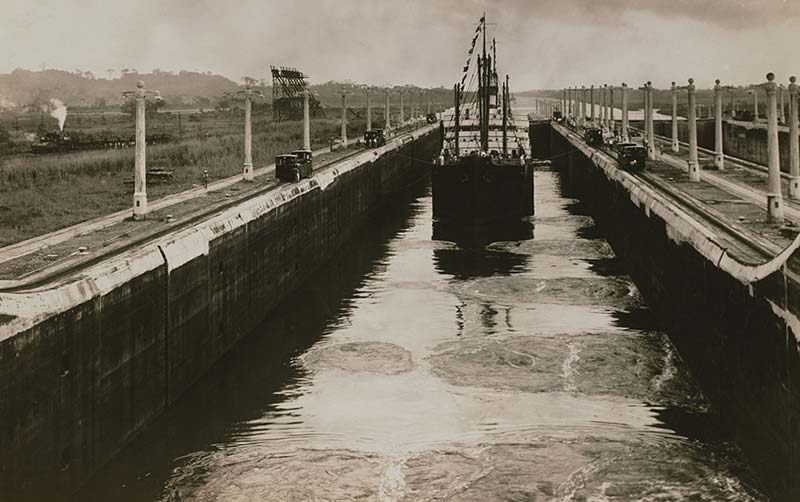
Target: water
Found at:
423, 369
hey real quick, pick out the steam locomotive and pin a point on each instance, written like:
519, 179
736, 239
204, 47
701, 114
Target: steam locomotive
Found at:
59, 142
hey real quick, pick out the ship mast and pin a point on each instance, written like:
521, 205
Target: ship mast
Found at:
484, 91
494, 56
505, 118
457, 100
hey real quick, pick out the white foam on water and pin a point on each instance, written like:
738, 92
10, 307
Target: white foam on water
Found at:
568, 369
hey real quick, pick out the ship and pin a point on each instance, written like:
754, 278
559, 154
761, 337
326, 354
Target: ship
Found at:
484, 174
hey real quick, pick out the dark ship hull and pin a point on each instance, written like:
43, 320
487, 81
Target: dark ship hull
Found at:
480, 189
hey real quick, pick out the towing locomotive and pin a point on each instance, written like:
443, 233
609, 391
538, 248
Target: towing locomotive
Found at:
293, 166
630, 156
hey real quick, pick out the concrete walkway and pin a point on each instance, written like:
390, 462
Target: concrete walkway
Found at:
740, 177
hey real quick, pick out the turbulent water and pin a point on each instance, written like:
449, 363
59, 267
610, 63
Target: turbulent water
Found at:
422, 369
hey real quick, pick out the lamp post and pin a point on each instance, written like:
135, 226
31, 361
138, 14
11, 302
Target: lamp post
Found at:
603, 120
611, 124
774, 196
571, 104
675, 144
369, 111
694, 165
625, 137
247, 95
755, 104
719, 156
402, 115
794, 143
651, 134
648, 120
344, 119
582, 118
388, 124
306, 122
429, 101
140, 156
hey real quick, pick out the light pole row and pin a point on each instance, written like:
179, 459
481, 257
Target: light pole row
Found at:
140, 94
576, 107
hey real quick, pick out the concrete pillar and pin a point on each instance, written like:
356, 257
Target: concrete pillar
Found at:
646, 119
571, 104
387, 116
755, 106
247, 167
794, 142
781, 114
675, 144
625, 137
651, 137
564, 102
694, 165
575, 113
719, 156
582, 106
369, 112
568, 105
306, 123
344, 120
611, 124
429, 101
774, 196
604, 102
575, 109
591, 101
402, 112
140, 159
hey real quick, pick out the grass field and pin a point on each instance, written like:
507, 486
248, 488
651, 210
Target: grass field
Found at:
42, 193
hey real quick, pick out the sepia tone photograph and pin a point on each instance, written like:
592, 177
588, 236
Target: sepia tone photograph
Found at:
399, 251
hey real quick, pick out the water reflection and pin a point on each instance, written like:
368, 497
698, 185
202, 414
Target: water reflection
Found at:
469, 258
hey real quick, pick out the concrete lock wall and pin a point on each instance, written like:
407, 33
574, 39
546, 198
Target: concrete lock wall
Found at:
85, 365
749, 142
740, 340
705, 130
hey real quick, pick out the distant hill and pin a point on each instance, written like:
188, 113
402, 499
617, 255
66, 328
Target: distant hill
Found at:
25, 88
29, 90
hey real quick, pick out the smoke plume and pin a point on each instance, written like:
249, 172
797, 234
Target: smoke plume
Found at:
59, 111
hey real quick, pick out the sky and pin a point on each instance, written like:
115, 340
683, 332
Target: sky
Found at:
540, 43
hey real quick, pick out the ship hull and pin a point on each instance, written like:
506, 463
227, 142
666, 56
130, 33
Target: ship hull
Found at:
477, 189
